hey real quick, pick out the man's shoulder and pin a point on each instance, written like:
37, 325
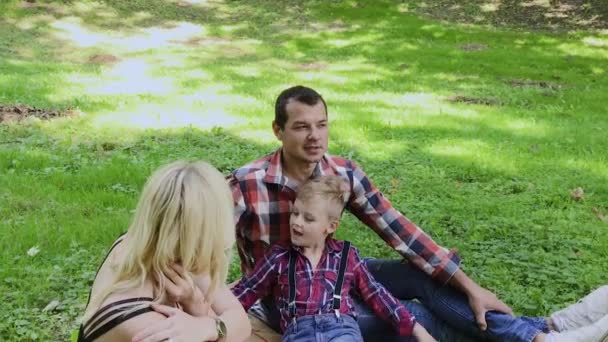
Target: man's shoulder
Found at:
340, 164
254, 169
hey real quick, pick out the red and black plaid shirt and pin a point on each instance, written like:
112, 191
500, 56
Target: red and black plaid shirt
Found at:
315, 286
263, 198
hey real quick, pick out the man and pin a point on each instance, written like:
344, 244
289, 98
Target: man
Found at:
264, 190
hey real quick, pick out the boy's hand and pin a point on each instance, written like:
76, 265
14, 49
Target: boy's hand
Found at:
422, 335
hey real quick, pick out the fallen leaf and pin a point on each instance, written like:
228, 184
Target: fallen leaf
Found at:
577, 194
600, 215
33, 251
51, 306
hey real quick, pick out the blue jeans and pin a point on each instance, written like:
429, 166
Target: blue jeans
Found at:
443, 310
323, 328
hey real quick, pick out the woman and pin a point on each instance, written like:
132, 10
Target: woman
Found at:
164, 280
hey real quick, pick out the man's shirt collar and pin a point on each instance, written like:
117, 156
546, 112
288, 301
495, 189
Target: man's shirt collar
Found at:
274, 171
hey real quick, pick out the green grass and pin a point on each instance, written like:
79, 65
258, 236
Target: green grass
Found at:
199, 81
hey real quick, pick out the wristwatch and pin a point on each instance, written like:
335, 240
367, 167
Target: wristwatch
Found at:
220, 327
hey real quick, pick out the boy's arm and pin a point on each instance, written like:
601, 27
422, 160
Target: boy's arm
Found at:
382, 303
259, 282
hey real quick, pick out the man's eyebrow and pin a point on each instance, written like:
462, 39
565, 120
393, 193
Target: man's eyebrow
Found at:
300, 123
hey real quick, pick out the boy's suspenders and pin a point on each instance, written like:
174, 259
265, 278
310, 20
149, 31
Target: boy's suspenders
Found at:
337, 298
340, 281
292, 284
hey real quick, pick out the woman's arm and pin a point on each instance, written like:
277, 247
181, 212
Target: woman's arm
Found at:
181, 326
226, 307
230, 311
168, 324
199, 312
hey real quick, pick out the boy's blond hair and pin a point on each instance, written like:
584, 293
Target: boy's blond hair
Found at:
333, 189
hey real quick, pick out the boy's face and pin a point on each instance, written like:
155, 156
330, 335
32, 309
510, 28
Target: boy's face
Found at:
310, 222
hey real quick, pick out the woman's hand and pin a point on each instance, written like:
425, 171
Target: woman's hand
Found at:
178, 327
184, 292
421, 334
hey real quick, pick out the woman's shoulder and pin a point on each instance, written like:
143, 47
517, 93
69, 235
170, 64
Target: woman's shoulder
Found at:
118, 318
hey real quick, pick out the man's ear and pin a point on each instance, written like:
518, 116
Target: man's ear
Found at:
278, 131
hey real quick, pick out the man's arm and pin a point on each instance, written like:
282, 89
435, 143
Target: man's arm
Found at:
369, 205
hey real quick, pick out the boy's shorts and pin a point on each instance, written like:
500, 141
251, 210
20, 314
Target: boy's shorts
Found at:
328, 327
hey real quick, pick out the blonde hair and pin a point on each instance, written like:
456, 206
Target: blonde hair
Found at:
185, 215
332, 189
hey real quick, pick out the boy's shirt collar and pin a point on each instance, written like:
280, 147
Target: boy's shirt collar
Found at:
331, 246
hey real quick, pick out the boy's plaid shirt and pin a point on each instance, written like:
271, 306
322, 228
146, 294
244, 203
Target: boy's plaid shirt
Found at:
315, 286
263, 197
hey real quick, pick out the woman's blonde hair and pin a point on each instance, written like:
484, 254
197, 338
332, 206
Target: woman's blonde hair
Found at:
185, 215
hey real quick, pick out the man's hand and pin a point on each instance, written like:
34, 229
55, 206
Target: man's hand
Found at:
481, 301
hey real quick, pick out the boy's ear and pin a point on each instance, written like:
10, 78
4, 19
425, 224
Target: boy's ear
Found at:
333, 226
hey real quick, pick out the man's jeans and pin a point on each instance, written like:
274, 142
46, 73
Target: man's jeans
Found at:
323, 328
443, 310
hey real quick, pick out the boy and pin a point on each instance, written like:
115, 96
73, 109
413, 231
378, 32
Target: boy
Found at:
311, 280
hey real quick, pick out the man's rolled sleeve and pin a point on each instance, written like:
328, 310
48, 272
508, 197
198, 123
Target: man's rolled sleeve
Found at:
447, 268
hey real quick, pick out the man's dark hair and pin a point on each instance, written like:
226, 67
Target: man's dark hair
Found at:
298, 93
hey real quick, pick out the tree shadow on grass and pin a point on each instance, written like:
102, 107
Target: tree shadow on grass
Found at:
546, 15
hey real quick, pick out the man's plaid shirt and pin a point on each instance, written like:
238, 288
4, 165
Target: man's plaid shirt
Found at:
263, 197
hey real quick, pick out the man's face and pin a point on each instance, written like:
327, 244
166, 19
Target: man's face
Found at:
304, 136
309, 222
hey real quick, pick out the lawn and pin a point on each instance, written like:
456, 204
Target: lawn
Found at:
477, 133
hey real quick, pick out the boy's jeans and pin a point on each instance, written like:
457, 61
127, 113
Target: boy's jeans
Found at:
323, 328
445, 311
